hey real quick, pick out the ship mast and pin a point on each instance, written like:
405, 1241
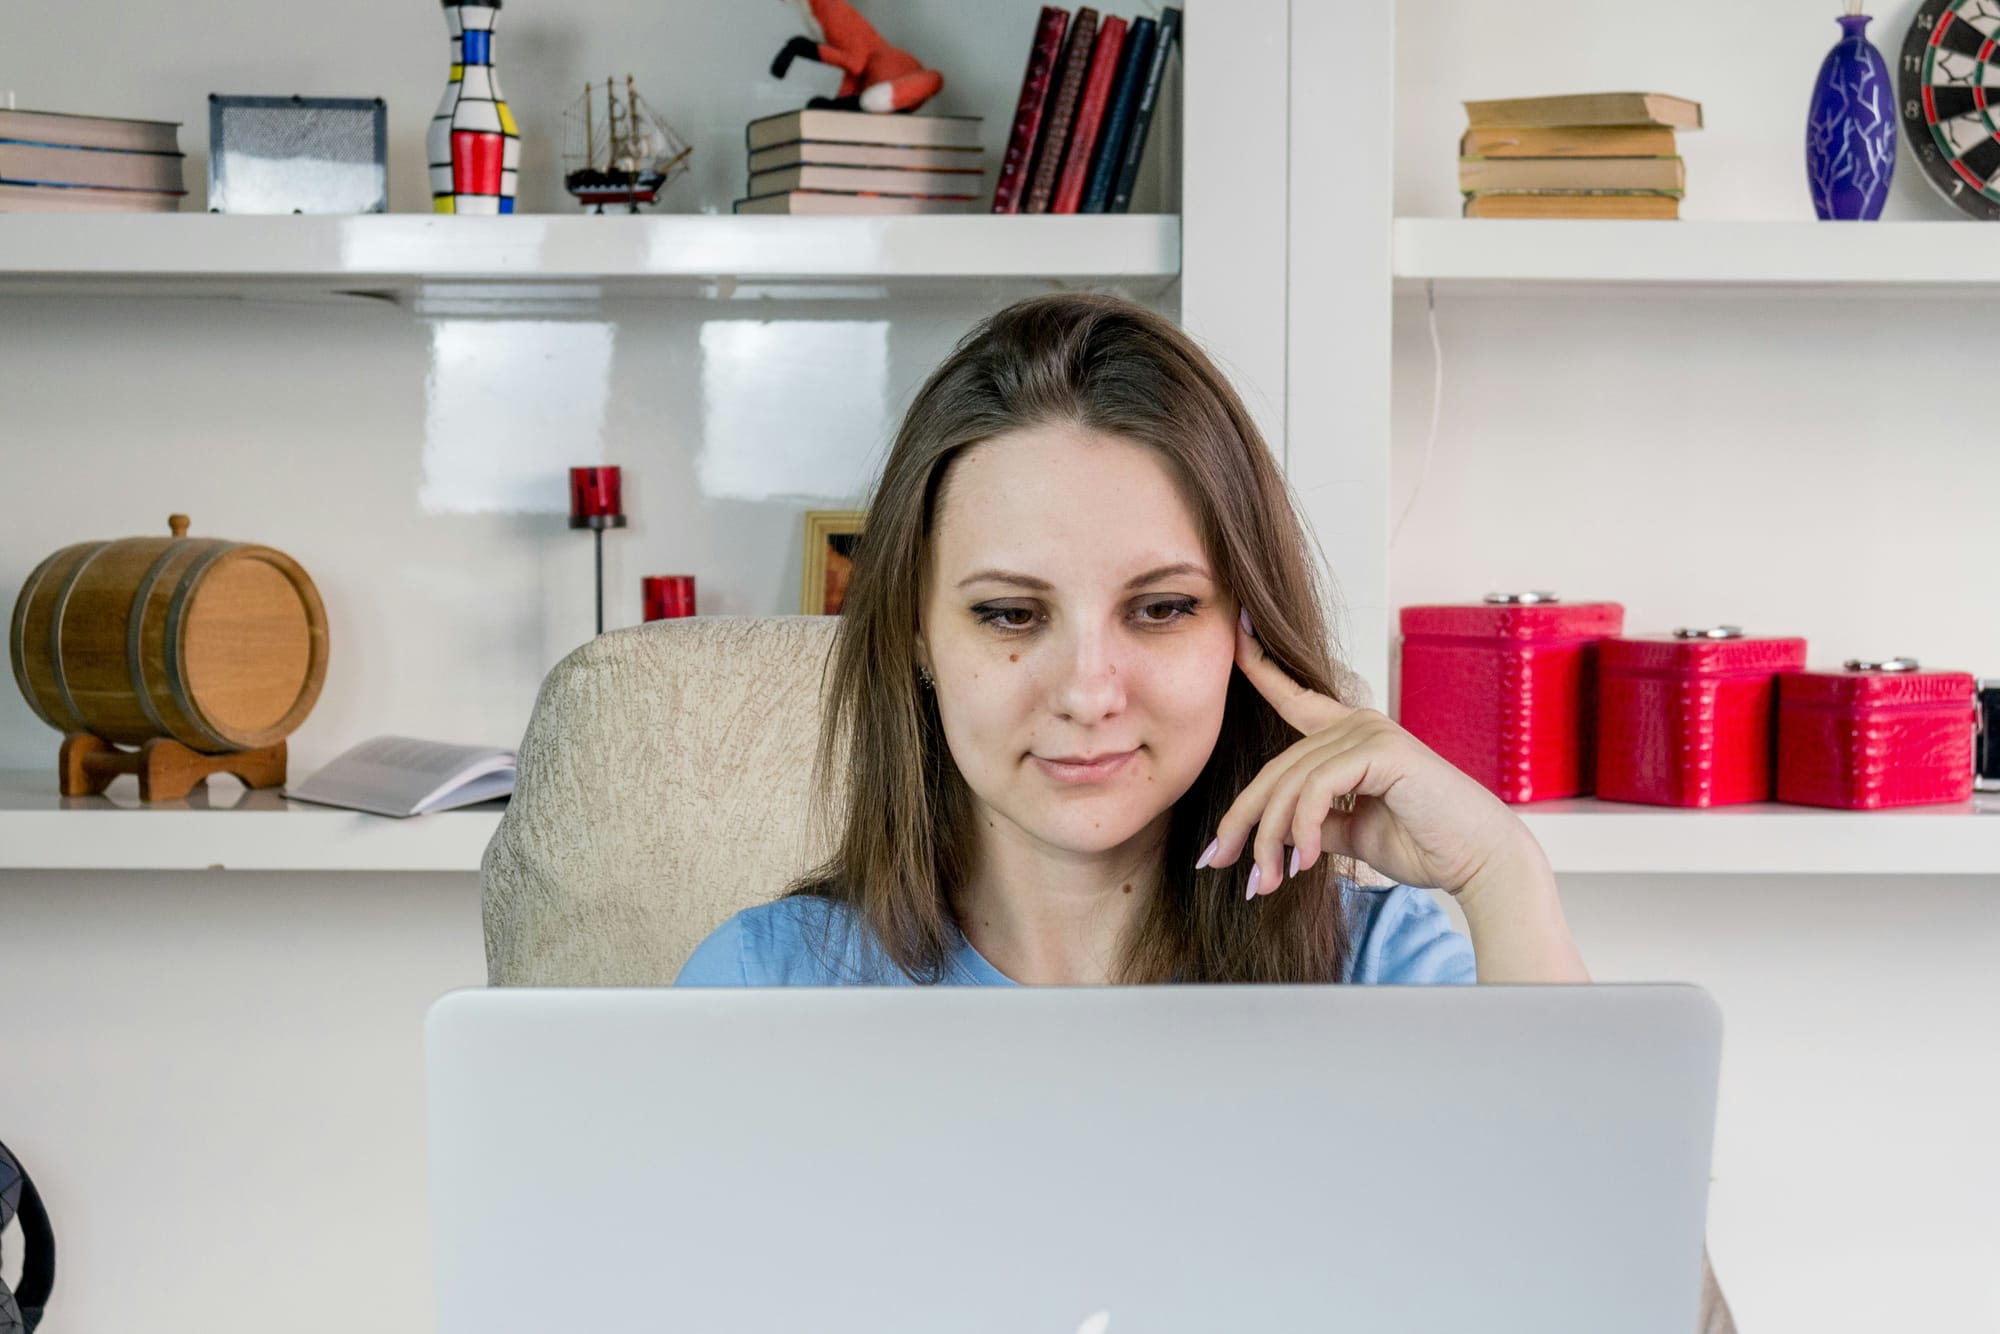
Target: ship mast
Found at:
611, 112
589, 134
632, 119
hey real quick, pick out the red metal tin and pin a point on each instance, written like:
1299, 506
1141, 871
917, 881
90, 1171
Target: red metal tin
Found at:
665, 596
1875, 735
1505, 689
1689, 719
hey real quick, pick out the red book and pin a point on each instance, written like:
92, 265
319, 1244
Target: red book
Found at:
1062, 110
1089, 115
1042, 57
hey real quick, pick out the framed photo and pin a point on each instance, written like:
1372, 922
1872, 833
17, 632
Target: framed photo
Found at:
830, 536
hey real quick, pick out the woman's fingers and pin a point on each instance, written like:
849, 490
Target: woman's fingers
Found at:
1289, 813
1362, 727
1244, 813
1304, 708
1314, 823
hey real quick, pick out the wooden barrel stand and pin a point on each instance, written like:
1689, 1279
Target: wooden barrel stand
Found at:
167, 770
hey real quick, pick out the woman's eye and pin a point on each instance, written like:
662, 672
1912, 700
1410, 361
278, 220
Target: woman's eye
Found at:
1005, 617
1165, 612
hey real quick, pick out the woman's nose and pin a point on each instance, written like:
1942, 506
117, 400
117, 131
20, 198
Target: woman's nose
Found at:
1093, 686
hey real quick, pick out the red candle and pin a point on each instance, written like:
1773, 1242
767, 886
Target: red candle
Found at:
594, 494
668, 595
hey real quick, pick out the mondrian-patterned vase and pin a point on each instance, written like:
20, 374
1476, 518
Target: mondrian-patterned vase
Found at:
475, 149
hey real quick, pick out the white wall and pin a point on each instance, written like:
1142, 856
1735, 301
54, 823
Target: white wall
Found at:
1797, 464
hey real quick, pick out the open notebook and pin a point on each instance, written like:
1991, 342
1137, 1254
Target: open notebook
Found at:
401, 775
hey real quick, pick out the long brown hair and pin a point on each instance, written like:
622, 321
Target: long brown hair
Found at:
901, 826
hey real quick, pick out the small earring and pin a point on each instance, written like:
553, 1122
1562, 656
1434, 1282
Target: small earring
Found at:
925, 674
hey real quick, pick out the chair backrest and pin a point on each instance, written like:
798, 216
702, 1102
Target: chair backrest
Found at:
665, 783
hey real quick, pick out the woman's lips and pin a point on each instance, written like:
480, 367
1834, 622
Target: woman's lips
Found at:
1077, 770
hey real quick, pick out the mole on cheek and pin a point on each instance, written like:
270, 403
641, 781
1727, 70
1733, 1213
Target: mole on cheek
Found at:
1128, 889
1013, 657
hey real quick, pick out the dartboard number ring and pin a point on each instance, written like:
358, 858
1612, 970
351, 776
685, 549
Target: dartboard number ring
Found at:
1949, 83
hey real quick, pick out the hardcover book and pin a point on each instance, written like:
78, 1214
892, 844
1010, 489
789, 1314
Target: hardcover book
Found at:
1011, 188
1089, 116
1587, 109
1062, 110
1142, 118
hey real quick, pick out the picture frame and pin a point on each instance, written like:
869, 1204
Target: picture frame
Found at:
297, 154
829, 547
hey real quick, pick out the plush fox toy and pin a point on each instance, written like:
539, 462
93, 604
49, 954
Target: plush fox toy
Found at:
877, 76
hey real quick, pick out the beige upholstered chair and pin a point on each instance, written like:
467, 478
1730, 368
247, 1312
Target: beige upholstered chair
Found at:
663, 786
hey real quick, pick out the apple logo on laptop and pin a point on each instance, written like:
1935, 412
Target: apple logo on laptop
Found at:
1095, 1324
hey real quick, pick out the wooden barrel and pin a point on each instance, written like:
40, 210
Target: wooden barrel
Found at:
219, 645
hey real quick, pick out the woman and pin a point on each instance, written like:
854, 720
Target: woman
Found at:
1085, 696
1085, 693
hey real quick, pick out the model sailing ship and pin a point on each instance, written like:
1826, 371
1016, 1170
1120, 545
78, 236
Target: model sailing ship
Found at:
626, 156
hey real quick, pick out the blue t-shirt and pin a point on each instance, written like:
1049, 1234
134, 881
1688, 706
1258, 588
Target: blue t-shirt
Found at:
1399, 934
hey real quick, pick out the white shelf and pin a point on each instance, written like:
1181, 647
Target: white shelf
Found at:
40, 830
261, 831
1942, 256
1590, 836
581, 257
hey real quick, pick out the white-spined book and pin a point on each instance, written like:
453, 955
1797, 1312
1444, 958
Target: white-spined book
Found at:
403, 776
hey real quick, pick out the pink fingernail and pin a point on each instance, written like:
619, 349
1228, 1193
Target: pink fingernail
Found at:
1294, 870
1208, 853
1256, 875
1243, 619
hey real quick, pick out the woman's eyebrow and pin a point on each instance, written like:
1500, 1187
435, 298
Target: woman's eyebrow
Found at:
1043, 585
1167, 572
1006, 577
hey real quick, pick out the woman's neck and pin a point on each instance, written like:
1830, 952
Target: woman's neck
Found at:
1043, 915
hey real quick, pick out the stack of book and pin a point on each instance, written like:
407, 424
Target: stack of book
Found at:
822, 161
56, 163
1590, 155
1087, 101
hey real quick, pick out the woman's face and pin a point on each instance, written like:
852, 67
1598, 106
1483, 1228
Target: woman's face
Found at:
1081, 647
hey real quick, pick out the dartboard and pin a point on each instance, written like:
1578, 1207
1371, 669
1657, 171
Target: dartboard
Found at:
1950, 85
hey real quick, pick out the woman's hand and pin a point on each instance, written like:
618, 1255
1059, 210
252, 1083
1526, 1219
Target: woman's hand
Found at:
1416, 818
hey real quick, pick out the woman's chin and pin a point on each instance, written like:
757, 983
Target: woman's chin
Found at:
1089, 827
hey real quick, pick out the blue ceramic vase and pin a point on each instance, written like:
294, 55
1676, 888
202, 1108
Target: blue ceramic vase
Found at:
1851, 128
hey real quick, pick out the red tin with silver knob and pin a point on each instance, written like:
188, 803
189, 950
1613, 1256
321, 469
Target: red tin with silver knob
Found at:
1689, 718
1505, 689
1876, 734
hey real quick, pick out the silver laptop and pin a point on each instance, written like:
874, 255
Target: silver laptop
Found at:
1117, 1160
